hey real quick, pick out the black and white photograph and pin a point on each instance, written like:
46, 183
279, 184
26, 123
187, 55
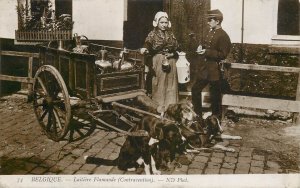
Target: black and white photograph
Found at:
150, 93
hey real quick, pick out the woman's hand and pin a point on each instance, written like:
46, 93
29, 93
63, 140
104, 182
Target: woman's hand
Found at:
144, 51
169, 55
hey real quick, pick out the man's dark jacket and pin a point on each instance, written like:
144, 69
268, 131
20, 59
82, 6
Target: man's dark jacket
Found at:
217, 45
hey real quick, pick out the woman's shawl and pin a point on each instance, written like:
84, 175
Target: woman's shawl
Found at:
158, 41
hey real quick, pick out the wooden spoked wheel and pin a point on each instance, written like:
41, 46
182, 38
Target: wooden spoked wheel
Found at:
51, 102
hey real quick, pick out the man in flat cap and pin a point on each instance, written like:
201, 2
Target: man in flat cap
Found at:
215, 48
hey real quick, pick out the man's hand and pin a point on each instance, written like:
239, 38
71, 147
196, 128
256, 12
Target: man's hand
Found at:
200, 50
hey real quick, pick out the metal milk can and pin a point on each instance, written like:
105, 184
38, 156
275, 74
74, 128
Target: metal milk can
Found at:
122, 64
103, 64
183, 68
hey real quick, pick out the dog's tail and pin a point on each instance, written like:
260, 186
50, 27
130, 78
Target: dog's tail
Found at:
100, 161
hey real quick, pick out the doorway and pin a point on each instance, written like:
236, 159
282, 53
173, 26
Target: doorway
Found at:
140, 14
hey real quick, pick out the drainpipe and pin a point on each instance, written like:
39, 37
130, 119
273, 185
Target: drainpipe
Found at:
242, 34
241, 57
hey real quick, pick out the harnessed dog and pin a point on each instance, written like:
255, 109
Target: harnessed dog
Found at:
143, 149
168, 137
198, 134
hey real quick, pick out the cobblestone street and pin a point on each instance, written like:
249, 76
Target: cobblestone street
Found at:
24, 149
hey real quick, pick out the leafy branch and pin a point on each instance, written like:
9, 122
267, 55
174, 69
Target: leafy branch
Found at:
44, 22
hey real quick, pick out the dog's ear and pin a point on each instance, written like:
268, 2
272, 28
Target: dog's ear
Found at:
213, 125
161, 109
170, 131
174, 111
190, 104
172, 108
186, 102
161, 135
207, 121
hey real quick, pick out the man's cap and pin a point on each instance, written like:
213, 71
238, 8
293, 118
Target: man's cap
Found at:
216, 13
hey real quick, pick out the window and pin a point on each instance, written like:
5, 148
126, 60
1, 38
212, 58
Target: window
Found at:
288, 17
63, 7
44, 20
37, 7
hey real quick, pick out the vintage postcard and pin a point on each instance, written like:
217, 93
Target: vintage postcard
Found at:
149, 93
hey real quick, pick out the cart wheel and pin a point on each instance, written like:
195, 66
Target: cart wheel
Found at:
51, 102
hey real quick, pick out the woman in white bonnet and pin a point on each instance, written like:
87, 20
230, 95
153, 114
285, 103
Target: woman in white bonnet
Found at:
161, 45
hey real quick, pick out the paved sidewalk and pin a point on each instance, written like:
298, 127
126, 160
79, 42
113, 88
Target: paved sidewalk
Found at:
24, 149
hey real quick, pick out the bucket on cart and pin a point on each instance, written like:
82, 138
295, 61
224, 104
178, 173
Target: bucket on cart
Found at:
183, 68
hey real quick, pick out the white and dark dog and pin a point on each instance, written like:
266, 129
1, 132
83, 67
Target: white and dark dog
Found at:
142, 147
199, 134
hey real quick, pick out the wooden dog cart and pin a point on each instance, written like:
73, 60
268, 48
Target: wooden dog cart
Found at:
66, 81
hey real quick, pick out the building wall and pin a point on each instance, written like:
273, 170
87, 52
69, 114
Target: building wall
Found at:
260, 19
97, 19
8, 18
260, 27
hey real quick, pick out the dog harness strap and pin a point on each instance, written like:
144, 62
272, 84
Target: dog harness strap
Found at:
107, 124
138, 133
162, 114
135, 133
187, 128
218, 121
140, 111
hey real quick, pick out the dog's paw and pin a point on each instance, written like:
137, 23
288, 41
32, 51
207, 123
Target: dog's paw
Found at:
156, 172
238, 138
147, 169
192, 151
229, 137
131, 169
140, 161
230, 150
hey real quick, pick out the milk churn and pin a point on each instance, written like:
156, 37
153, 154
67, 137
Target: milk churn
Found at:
123, 64
183, 68
103, 65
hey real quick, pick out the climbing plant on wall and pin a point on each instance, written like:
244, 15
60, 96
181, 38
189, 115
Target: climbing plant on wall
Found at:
39, 22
